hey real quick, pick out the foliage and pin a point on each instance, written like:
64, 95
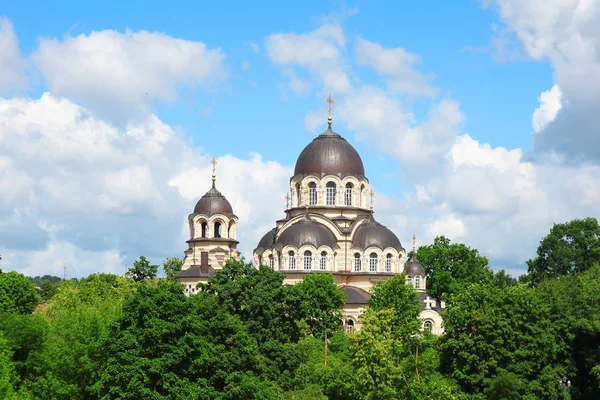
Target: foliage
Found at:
569, 248
451, 266
142, 269
172, 266
493, 329
17, 294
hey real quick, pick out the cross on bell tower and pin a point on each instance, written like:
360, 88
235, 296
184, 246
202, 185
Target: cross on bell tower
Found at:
329, 118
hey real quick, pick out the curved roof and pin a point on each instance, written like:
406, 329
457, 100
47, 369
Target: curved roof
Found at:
306, 231
413, 267
267, 241
213, 202
372, 234
356, 295
329, 153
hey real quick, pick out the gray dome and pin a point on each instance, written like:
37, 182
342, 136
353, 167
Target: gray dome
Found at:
356, 295
329, 153
213, 202
267, 241
372, 234
413, 267
308, 232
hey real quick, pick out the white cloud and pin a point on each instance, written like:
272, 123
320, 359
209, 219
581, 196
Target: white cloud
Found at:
550, 105
97, 196
12, 66
255, 48
450, 226
396, 66
123, 73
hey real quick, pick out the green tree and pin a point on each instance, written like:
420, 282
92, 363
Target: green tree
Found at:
490, 329
142, 269
505, 386
451, 266
503, 278
319, 302
172, 267
395, 294
569, 248
17, 294
7, 373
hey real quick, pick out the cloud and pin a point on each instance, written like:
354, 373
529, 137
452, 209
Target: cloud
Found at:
120, 74
12, 65
320, 52
255, 48
396, 66
550, 105
98, 195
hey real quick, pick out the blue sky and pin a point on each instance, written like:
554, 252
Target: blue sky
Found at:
482, 69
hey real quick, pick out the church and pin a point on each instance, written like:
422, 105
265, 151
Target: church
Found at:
329, 227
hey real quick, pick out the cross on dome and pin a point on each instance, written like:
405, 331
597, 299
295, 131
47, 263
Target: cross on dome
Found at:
428, 303
214, 169
329, 118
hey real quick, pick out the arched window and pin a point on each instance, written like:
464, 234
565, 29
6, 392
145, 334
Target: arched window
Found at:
323, 261
291, 260
307, 260
312, 193
388, 263
349, 325
331, 192
357, 264
217, 229
373, 262
204, 226
427, 325
409, 280
348, 195
271, 260
417, 282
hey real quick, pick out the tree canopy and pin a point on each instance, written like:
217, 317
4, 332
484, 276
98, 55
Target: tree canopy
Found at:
17, 294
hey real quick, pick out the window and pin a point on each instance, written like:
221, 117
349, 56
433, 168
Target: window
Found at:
349, 326
409, 280
307, 260
204, 226
270, 260
217, 229
388, 263
312, 193
357, 264
348, 195
331, 192
323, 261
291, 260
373, 262
417, 282
427, 325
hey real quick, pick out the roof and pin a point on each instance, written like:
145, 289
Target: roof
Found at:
197, 271
372, 234
267, 241
413, 267
356, 295
213, 202
329, 153
306, 232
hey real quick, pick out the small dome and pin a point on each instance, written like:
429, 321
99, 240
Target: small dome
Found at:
356, 295
267, 241
305, 232
329, 153
372, 234
213, 202
413, 267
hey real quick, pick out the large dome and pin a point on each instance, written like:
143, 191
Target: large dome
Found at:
213, 202
267, 241
372, 234
329, 153
306, 232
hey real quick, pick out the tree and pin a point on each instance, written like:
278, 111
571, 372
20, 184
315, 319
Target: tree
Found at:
17, 294
450, 266
503, 278
319, 302
172, 267
142, 269
569, 248
492, 329
7, 373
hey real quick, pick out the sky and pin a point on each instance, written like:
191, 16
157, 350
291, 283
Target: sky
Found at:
476, 120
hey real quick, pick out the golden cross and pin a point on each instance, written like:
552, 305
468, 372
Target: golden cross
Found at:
371, 193
414, 242
287, 201
214, 165
330, 101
